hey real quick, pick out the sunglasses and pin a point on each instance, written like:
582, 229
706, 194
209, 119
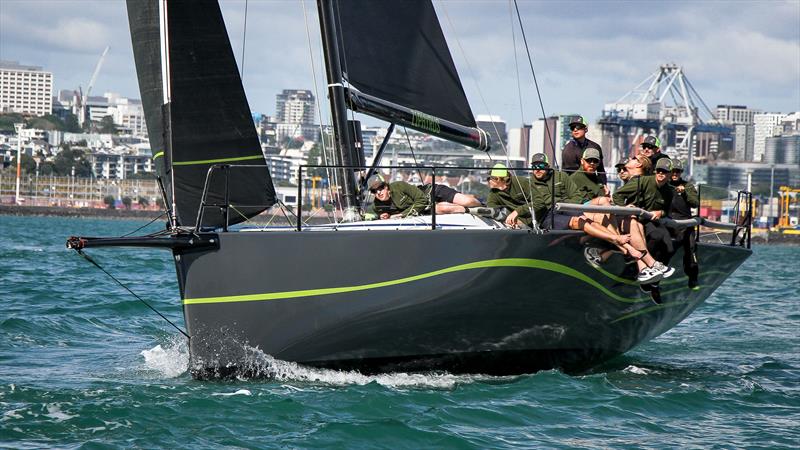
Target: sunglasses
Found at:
592, 161
662, 171
649, 147
621, 169
576, 127
540, 166
377, 189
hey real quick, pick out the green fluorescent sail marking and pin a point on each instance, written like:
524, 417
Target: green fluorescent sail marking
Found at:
215, 161
506, 262
158, 155
651, 309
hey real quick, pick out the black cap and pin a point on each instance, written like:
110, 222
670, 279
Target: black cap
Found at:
539, 158
376, 181
622, 162
577, 120
652, 140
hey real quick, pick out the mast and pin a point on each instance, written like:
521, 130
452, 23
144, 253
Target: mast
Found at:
336, 94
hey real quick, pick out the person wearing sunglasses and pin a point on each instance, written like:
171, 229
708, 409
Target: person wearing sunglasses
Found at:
622, 171
651, 147
651, 193
550, 187
685, 198
511, 192
573, 150
395, 199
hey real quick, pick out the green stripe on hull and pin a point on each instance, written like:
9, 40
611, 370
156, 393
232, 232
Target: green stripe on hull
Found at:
216, 161
492, 263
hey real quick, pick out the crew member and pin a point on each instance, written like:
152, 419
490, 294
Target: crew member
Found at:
651, 147
395, 199
651, 193
622, 171
685, 198
511, 192
573, 151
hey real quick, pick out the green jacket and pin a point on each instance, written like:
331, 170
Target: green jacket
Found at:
515, 198
404, 199
643, 192
588, 184
683, 203
565, 192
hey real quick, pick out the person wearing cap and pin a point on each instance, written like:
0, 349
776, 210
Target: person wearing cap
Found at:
651, 147
573, 152
622, 171
651, 193
685, 198
396, 198
590, 188
509, 191
552, 186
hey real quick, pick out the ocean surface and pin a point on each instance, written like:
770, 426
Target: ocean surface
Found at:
83, 364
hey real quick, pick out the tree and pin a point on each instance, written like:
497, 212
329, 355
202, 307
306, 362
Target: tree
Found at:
7, 121
127, 201
107, 125
109, 201
143, 202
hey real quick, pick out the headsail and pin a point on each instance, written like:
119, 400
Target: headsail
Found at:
207, 119
397, 52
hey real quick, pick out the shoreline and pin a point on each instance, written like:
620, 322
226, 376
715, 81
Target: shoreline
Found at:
761, 238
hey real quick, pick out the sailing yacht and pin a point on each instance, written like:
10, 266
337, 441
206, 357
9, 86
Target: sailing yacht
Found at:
459, 293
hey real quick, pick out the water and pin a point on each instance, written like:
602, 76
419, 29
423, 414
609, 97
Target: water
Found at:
84, 364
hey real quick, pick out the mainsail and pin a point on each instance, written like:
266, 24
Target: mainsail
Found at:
203, 118
396, 51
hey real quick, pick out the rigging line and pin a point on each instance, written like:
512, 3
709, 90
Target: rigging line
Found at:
474, 78
480, 94
416, 163
516, 64
145, 225
536, 83
244, 39
316, 98
89, 258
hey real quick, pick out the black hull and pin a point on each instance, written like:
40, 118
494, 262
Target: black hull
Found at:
476, 301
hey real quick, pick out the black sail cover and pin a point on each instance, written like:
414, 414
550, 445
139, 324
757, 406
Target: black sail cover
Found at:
208, 118
396, 51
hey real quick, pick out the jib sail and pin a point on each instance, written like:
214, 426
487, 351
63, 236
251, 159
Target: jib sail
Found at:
196, 110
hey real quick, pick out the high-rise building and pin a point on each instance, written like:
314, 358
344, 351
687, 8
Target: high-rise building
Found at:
765, 125
25, 89
295, 106
736, 114
783, 150
744, 140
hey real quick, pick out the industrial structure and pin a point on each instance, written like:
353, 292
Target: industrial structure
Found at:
665, 104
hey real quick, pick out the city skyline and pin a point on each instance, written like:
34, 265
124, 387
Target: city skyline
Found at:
585, 54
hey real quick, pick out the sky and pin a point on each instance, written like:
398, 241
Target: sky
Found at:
585, 53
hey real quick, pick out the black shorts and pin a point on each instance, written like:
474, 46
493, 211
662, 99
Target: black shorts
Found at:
558, 221
444, 193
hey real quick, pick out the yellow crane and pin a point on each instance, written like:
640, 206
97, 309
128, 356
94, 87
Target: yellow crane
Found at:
788, 196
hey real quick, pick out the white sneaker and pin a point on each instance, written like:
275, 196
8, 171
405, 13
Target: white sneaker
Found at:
592, 256
666, 271
649, 275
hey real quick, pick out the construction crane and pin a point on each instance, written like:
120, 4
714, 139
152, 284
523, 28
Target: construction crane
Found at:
665, 103
83, 98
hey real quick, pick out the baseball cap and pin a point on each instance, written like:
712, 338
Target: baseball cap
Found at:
590, 153
499, 170
622, 162
677, 164
663, 164
539, 158
577, 120
652, 140
376, 181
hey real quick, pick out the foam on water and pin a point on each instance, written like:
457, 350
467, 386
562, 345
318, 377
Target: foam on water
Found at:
269, 367
169, 362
